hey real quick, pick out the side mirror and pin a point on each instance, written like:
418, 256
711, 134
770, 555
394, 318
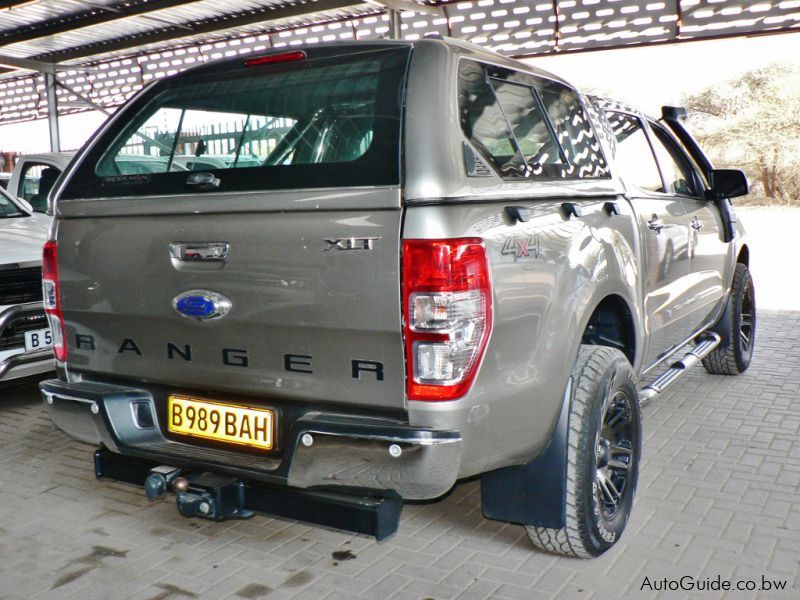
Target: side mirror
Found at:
728, 183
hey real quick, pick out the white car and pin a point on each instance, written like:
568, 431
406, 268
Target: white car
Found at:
34, 176
24, 334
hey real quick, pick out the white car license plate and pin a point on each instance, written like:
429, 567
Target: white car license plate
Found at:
38, 339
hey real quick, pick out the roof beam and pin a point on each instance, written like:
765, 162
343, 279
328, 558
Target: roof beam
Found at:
82, 102
14, 3
92, 14
39, 66
27, 64
200, 27
406, 6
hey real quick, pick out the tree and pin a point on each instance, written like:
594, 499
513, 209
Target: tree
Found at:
753, 122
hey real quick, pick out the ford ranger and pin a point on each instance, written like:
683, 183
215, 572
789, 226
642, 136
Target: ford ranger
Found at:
421, 262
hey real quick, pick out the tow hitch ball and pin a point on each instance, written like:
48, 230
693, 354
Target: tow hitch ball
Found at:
205, 495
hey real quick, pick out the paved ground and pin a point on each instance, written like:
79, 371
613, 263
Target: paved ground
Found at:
718, 496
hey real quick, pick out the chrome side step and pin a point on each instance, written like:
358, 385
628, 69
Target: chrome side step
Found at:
709, 341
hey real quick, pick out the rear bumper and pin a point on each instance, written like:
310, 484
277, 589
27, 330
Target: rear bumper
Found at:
17, 363
321, 450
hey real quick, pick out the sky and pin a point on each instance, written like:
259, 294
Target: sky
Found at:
643, 77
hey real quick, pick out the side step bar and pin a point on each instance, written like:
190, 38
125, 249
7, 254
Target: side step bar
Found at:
704, 347
216, 497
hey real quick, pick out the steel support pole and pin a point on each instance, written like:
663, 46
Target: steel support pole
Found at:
52, 111
395, 24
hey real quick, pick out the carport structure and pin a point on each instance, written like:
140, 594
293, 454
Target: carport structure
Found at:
64, 56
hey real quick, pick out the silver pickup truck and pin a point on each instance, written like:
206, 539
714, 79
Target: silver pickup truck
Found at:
421, 262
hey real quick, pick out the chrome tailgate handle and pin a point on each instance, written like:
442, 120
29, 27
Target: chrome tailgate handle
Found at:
199, 251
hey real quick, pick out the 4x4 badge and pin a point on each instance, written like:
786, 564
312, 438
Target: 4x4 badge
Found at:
521, 248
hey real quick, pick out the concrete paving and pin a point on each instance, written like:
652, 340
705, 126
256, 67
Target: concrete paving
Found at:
718, 497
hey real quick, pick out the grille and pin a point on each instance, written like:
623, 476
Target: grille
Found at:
13, 336
21, 285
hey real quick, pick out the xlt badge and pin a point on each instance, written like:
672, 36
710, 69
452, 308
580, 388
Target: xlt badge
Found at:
351, 243
201, 305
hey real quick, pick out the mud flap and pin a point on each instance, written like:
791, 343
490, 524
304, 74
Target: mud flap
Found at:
721, 328
534, 493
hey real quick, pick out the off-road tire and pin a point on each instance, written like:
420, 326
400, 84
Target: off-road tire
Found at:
600, 374
738, 323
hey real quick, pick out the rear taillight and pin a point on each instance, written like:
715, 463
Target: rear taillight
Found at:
447, 312
52, 299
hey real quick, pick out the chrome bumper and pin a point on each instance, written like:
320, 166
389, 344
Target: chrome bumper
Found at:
24, 364
320, 449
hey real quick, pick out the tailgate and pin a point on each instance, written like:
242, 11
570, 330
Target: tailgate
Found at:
309, 319
291, 161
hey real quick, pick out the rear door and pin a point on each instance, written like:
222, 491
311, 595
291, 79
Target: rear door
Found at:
664, 234
300, 253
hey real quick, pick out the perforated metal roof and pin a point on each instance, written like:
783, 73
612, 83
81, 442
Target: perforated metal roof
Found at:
130, 42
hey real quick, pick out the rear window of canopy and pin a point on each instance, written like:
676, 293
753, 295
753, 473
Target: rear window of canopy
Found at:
306, 123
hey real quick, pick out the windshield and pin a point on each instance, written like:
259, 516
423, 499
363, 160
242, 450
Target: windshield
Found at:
8, 208
315, 122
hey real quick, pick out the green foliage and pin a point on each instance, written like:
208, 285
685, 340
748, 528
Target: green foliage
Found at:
753, 123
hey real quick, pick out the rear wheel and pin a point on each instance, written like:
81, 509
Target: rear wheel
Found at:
604, 444
739, 324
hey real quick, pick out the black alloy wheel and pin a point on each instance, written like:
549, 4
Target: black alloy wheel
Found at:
614, 453
737, 327
603, 446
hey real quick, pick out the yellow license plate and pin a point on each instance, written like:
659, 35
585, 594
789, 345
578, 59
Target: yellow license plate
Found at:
221, 422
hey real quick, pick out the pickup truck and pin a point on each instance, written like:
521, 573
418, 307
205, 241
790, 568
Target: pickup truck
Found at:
447, 264
34, 175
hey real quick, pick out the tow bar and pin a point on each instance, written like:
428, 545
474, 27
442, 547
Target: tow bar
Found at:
219, 497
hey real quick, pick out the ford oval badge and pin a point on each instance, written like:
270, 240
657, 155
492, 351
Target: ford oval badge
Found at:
201, 305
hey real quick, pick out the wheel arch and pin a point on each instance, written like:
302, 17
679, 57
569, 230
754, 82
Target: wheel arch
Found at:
612, 323
744, 255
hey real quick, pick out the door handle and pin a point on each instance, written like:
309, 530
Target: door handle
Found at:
696, 224
655, 223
